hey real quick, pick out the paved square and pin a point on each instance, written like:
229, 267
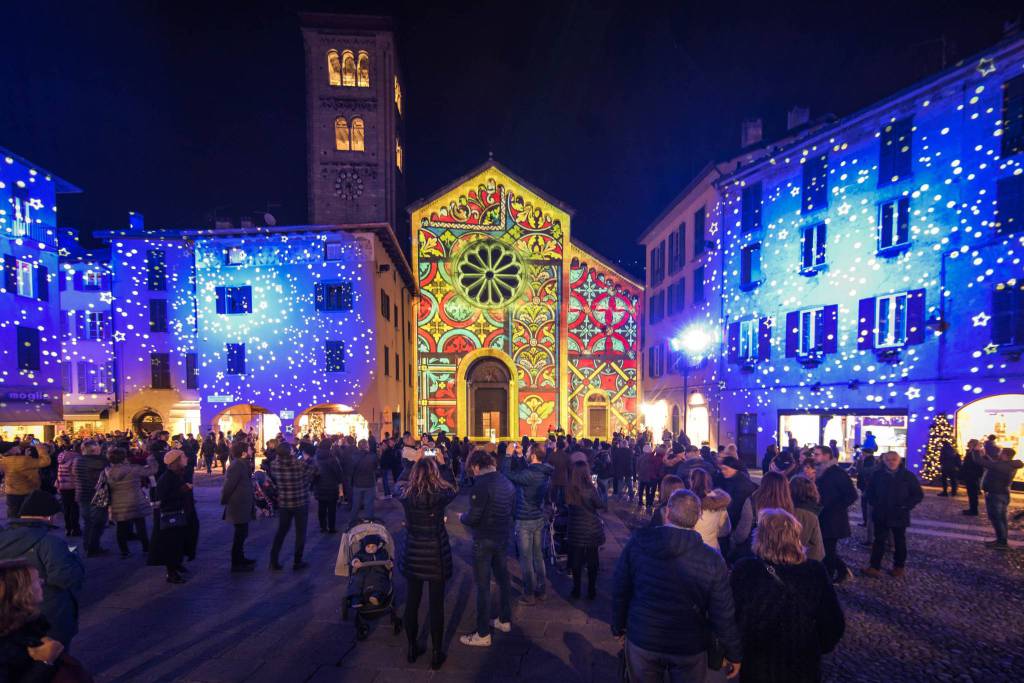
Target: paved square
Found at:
958, 615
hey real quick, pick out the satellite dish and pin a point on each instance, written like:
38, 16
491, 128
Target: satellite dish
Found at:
269, 220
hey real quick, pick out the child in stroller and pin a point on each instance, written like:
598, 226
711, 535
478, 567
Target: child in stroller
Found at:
371, 573
364, 558
264, 493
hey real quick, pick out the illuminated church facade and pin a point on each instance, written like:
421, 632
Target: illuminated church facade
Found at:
521, 330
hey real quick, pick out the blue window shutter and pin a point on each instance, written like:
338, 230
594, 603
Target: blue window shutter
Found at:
105, 328
83, 379
903, 220
42, 283
831, 329
764, 339
10, 274
77, 281
80, 324
318, 296
792, 333
62, 281
915, 316
866, 324
734, 342
222, 306
822, 240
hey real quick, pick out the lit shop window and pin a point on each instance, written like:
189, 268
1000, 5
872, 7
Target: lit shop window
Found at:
333, 67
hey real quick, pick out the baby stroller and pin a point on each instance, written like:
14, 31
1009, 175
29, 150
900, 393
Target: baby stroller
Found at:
353, 544
264, 494
558, 535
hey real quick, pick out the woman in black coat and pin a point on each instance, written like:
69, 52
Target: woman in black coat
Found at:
586, 528
175, 524
786, 607
427, 557
326, 489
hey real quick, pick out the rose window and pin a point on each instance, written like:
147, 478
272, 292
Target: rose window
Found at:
489, 274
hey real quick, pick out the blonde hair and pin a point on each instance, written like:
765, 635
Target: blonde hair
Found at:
777, 538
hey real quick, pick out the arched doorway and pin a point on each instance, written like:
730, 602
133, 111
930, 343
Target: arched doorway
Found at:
334, 419
698, 424
147, 422
597, 416
675, 420
487, 383
260, 422
1002, 415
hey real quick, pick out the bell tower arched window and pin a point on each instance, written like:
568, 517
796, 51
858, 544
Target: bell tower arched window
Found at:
364, 69
333, 67
358, 135
348, 68
342, 141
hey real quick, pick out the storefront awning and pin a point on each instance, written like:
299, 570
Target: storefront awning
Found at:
30, 405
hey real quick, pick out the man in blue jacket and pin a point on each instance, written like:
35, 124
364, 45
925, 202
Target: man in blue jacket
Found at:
669, 591
489, 517
531, 481
59, 567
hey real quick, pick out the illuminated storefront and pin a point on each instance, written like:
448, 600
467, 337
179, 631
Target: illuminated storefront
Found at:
1001, 415
847, 429
520, 329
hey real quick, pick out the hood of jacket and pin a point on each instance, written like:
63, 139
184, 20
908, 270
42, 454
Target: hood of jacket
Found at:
665, 542
20, 535
121, 472
717, 499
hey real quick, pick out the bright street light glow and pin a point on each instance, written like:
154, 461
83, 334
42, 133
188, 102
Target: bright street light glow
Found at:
694, 340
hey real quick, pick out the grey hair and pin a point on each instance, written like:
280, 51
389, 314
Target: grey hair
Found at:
683, 508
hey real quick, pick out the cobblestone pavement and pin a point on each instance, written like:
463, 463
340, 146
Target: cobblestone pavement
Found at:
958, 615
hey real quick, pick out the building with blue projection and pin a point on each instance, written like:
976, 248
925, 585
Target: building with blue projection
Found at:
872, 272
30, 345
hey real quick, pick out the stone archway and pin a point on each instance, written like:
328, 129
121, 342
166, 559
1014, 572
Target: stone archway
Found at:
487, 390
147, 422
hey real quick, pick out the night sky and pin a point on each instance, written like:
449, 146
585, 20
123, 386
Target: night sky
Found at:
181, 111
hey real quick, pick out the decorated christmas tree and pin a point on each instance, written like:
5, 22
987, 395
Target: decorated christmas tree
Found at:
939, 434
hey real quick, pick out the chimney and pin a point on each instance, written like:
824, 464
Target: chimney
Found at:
750, 132
797, 116
136, 221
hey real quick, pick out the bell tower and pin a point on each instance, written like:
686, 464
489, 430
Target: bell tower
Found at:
354, 126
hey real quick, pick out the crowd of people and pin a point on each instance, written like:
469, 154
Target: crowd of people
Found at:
722, 573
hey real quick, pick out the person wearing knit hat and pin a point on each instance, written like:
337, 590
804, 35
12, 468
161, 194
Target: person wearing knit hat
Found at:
172, 456
28, 538
176, 528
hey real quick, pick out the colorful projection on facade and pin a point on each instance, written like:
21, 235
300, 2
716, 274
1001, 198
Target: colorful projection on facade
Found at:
494, 264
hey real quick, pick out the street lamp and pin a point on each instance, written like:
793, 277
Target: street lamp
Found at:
693, 345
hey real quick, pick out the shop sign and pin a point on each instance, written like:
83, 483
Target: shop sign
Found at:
34, 396
286, 414
220, 399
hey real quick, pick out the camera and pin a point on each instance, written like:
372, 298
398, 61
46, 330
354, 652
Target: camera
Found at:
429, 452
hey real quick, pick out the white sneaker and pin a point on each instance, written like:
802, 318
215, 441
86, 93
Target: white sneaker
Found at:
503, 626
475, 640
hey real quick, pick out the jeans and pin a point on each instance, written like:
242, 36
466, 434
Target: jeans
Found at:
646, 666
327, 513
435, 612
899, 539
70, 507
362, 499
384, 482
973, 486
94, 520
530, 541
14, 502
833, 563
124, 528
490, 557
580, 556
284, 521
238, 543
648, 489
995, 506
623, 485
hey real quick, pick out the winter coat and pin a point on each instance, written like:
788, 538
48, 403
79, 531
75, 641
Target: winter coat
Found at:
837, 495
669, 588
786, 626
740, 488
60, 568
237, 495
686, 468
364, 470
586, 528
170, 545
648, 468
15, 662
65, 479
86, 470
892, 495
714, 518
127, 499
21, 472
330, 478
970, 470
810, 530
491, 501
427, 552
622, 462
949, 460
559, 460
531, 484
999, 475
